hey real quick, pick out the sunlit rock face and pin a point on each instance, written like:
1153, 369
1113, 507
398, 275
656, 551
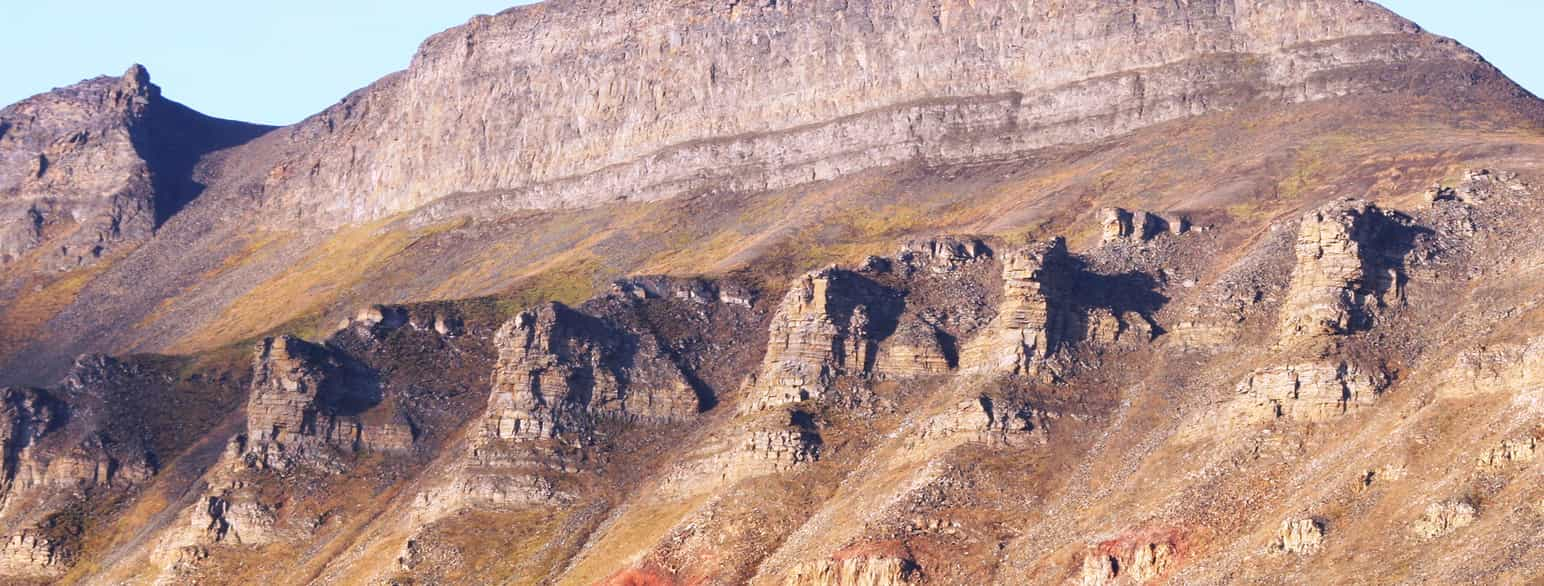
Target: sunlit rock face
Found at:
549, 109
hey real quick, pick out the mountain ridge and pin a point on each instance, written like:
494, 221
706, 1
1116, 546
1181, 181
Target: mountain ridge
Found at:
853, 293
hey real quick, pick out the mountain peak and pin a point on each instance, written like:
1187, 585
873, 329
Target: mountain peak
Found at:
136, 81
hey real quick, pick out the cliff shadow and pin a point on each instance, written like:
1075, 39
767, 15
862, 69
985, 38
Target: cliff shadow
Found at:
1122, 294
173, 140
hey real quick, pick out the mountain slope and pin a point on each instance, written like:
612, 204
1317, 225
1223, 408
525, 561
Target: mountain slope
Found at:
1113, 292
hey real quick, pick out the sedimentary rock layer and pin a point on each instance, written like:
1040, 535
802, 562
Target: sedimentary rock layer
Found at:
579, 102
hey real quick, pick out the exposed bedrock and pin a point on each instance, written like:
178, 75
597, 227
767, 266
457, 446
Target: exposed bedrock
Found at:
305, 406
1350, 263
827, 325
1313, 391
561, 374
853, 86
864, 564
90, 167
1349, 266
1034, 316
60, 448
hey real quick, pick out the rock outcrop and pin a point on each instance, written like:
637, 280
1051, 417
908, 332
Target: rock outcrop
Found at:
1313, 391
1333, 285
1444, 517
818, 333
915, 349
560, 374
1032, 318
990, 420
1299, 536
1137, 559
558, 368
1509, 452
761, 443
877, 564
30, 555
1340, 277
860, 85
60, 449
942, 254
1120, 225
303, 406
90, 167
1515, 366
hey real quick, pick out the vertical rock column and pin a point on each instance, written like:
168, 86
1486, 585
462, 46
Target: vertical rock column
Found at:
1030, 320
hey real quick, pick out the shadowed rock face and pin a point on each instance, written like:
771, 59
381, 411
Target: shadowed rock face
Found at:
580, 102
103, 162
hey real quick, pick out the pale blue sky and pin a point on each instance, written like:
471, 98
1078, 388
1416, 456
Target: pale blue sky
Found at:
278, 61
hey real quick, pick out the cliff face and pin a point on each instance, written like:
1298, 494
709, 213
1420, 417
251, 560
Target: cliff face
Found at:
88, 168
948, 293
578, 103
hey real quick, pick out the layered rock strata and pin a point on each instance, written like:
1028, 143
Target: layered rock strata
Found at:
858, 85
1314, 391
59, 450
302, 406
990, 420
1329, 283
1032, 318
880, 564
916, 349
1339, 277
560, 374
818, 333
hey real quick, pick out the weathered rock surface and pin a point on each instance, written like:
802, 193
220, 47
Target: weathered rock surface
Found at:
1341, 274
1315, 391
989, 420
558, 368
1509, 452
915, 349
881, 564
859, 85
560, 374
942, 254
1138, 559
640, 431
29, 555
1300, 536
762, 443
92, 166
1031, 321
61, 449
818, 333
1120, 225
1516, 367
1442, 518
303, 404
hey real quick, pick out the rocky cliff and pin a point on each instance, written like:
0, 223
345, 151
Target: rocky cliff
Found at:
804, 293
642, 101
89, 168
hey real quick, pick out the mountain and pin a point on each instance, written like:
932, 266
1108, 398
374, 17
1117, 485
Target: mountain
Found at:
798, 292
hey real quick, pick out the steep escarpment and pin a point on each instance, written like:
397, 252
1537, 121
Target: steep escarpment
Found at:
642, 101
800, 293
89, 168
